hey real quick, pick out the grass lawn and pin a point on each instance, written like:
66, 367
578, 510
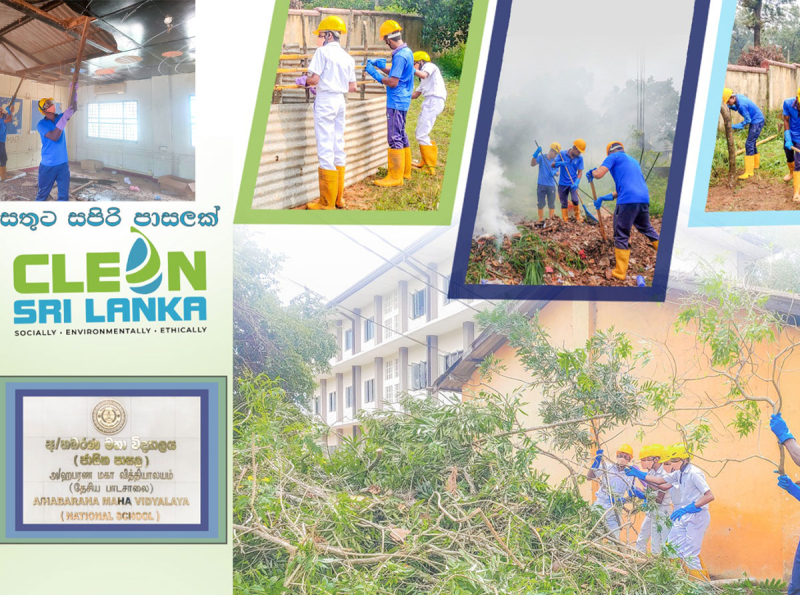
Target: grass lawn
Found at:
421, 193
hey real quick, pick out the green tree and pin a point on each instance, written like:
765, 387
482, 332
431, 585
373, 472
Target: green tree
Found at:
758, 14
445, 22
663, 101
292, 343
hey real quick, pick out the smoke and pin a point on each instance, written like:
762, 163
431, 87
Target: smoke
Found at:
491, 218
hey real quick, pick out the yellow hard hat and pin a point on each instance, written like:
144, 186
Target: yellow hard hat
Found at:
613, 145
556, 147
626, 448
677, 451
580, 144
43, 101
421, 56
798, 93
331, 23
726, 94
651, 450
389, 27
645, 451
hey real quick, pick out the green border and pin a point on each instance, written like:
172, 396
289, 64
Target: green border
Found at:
224, 472
245, 213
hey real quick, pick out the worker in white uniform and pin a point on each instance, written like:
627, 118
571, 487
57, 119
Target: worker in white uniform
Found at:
654, 527
691, 517
432, 88
333, 72
615, 487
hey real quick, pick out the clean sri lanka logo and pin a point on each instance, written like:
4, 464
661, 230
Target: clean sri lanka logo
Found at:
147, 274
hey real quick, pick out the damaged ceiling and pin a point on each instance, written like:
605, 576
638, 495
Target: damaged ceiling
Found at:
127, 40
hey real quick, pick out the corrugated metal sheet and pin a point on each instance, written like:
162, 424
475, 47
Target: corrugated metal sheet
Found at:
287, 175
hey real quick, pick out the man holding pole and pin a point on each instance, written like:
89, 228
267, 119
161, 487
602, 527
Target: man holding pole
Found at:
791, 140
754, 118
546, 189
5, 119
615, 487
54, 166
570, 164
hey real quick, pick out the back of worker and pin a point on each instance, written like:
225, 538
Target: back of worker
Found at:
628, 178
749, 110
402, 69
335, 67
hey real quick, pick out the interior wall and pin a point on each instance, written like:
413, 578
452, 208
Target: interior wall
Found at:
165, 144
24, 149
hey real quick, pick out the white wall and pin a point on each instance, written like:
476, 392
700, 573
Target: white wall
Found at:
164, 146
25, 149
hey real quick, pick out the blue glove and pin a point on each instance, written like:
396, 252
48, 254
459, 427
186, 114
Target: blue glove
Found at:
635, 493
559, 163
634, 472
787, 140
576, 184
380, 63
779, 428
600, 200
739, 126
373, 72
598, 459
590, 175
790, 486
537, 152
688, 509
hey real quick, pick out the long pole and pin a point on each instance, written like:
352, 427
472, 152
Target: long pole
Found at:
77, 70
14, 98
599, 214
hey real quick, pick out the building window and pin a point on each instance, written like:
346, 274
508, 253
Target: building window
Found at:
316, 406
369, 329
419, 375
192, 119
348, 340
392, 366
391, 315
332, 401
452, 358
389, 394
114, 120
369, 391
348, 396
418, 304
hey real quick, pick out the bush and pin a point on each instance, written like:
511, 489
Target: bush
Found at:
451, 61
755, 56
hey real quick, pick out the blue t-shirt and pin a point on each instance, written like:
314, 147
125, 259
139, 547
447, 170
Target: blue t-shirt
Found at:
790, 108
403, 70
750, 111
568, 174
53, 152
631, 186
3, 130
547, 175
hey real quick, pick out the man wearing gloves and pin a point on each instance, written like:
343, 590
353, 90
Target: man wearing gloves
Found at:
333, 72
570, 169
54, 166
654, 527
546, 189
633, 203
399, 85
785, 437
432, 88
615, 487
691, 517
791, 139
754, 118
5, 119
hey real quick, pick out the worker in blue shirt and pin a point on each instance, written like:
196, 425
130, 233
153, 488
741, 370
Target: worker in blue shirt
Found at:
54, 166
633, 203
754, 118
570, 170
546, 189
778, 426
5, 119
791, 139
399, 87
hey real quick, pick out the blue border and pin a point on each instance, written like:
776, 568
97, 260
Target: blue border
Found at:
209, 396
658, 291
698, 217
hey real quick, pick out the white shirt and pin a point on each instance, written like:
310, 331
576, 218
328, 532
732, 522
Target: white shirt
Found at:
661, 472
692, 484
433, 84
335, 67
608, 474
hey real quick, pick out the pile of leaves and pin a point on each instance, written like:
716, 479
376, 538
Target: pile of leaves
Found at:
558, 254
436, 498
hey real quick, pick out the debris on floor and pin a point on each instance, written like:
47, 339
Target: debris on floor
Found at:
558, 254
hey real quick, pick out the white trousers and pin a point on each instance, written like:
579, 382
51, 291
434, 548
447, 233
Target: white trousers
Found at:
431, 108
687, 536
654, 529
330, 110
611, 519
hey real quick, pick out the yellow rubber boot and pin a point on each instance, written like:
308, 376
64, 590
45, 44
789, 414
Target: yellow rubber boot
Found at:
699, 575
577, 213
757, 162
328, 188
553, 214
396, 167
340, 188
796, 197
788, 177
430, 155
749, 165
565, 214
3, 175
541, 215
654, 243
407, 163
621, 267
